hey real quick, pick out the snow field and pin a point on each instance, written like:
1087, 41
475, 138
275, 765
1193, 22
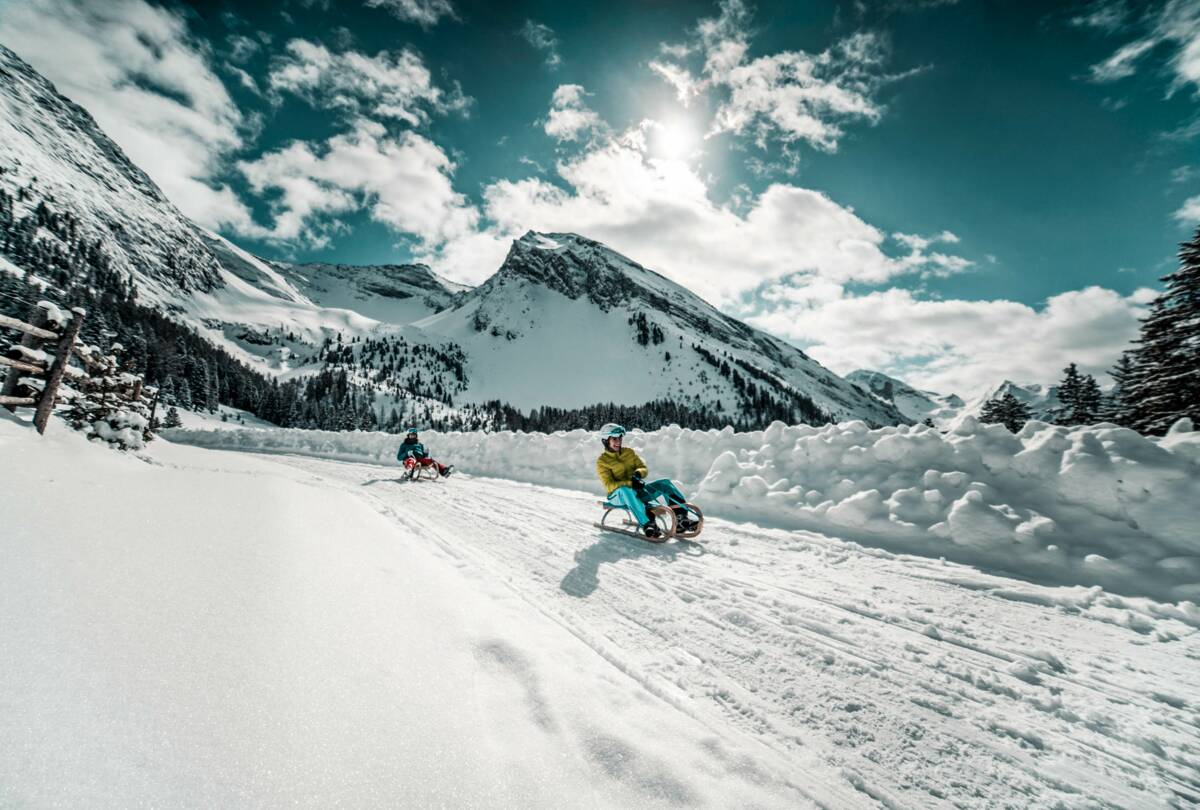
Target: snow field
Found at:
920, 683
212, 630
1100, 505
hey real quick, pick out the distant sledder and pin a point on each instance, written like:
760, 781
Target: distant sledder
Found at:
623, 474
417, 462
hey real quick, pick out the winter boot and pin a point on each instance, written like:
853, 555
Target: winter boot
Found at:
651, 530
446, 472
683, 523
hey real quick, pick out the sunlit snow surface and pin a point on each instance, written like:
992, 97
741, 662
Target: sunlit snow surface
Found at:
213, 630
222, 629
1080, 506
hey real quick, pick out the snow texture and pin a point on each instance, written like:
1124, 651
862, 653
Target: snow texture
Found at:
1101, 505
204, 631
220, 629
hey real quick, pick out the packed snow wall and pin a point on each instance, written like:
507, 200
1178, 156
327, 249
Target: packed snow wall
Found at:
1099, 505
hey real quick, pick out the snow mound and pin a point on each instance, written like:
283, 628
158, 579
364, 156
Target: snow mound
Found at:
1101, 505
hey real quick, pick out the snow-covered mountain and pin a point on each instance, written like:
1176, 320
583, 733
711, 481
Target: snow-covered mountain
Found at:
52, 150
946, 409
564, 322
567, 321
390, 293
1042, 400
916, 405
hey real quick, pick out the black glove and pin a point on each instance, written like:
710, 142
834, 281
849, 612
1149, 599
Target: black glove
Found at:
637, 483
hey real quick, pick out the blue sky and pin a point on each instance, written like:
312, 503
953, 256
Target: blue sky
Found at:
954, 192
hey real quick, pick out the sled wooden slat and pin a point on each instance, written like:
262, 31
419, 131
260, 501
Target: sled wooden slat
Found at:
29, 329
21, 365
15, 401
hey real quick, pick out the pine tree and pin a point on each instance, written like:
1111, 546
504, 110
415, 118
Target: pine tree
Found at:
1068, 395
173, 420
1163, 384
1091, 399
1113, 405
1006, 410
1080, 397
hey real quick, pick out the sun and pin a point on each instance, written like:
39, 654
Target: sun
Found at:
674, 139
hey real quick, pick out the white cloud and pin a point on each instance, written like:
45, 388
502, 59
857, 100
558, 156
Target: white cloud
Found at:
242, 48
541, 37
1122, 64
570, 117
958, 346
659, 212
425, 13
786, 258
1189, 212
149, 85
388, 85
686, 86
789, 96
1106, 15
1175, 24
246, 80
403, 181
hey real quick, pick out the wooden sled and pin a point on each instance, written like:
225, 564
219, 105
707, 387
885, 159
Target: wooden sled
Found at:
663, 516
420, 473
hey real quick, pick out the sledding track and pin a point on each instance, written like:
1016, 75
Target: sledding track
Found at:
919, 684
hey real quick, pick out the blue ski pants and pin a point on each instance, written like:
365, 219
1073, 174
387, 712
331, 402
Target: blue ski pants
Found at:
628, 498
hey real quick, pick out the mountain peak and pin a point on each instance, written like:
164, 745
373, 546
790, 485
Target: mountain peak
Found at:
576, 267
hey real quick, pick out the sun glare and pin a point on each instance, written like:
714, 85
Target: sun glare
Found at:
674, 139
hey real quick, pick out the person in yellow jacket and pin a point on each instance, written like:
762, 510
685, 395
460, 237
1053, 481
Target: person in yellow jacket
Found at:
623, 474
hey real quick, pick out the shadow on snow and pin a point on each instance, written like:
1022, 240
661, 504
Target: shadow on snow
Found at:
582, 580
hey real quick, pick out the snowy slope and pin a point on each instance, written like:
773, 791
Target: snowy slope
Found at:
52, 151
216, 629
52, 144
1042, 400
558, 324
947, 410
915, 404
391, 293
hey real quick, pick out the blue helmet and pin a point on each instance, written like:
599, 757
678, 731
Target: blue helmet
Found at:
412, 431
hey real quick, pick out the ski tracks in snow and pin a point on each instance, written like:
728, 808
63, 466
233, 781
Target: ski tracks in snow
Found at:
902, 680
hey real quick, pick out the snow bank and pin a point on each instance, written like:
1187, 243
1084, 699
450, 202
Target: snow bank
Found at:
1101, 505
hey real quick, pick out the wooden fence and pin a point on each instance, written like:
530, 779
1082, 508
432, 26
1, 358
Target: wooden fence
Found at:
33, 377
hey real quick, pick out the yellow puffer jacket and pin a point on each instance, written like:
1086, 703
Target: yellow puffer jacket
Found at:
617, 469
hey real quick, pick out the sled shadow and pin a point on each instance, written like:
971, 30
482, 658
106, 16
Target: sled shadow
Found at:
401, 480
582, 580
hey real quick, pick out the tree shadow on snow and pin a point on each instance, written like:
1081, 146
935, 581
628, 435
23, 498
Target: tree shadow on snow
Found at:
582, 580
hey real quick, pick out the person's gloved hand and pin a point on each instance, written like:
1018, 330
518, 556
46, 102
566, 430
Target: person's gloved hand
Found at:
638, 483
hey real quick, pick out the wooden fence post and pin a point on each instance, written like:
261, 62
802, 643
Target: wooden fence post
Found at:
65, 345
37, 318
153, 409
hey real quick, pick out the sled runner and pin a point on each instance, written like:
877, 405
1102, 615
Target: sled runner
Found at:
664, 518
423, 473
